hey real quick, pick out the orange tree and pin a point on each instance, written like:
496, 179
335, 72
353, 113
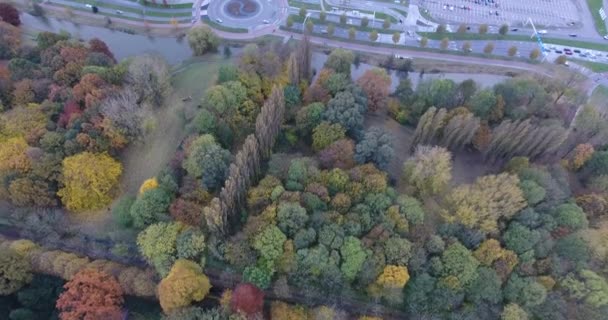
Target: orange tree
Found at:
91, 295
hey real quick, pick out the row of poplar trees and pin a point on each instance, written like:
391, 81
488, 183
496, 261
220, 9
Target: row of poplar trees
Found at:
509, 139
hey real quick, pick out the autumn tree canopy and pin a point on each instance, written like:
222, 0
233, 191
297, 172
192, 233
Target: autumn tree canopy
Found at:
91, 295
185, 284
89, 180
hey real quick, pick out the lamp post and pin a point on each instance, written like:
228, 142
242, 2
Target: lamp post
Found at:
304, 22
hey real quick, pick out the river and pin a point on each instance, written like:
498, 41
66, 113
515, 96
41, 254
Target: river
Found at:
175, 51
122, 44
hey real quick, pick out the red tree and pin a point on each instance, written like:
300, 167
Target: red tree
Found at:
91, 295
96, 45
247, 299
376, 85
91, 90
71, 110
9, 14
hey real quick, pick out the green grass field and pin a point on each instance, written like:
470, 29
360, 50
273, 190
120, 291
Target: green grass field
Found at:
306, 5
594, 66
599, 97
132, 10
222, 27
594, 7
317, 22
495, 37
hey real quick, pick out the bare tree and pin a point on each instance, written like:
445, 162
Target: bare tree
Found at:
124, 113
148, 75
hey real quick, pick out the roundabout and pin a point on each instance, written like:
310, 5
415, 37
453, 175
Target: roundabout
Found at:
248, 14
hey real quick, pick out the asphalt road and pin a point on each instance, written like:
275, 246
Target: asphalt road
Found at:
126, 14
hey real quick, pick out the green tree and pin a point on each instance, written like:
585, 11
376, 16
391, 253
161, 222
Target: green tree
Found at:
291, 217
512, 51
207, 160
429, 170
303, 12
503, 29
373, 35
398, 251
202, 40
269, 243
331, 29
364, 22
532, 192
396, 37
15, 271
489, 48
483, 28
340, 60
345, 110
227, 73
520, 238
459, 266
524, 291
513, 311
462, 28
289, 22
151, 207
424, 41
534, 54
322, 16
482, 103
571, 216
441, 28
343, 19
309, 117
376, 147
352, 32
325, 134
157, 244
587, 286
486, 287
561, 59
386, 23
353, 256
445, 42
466, 47
309, 26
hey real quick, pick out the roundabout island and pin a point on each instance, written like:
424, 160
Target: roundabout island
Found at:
247, 14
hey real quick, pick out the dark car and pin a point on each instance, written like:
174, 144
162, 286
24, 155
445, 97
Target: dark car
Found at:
559, 51
514, 29
576, 51
568, 53
573, 35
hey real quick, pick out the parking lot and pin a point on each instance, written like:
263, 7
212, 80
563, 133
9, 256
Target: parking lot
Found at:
544, 13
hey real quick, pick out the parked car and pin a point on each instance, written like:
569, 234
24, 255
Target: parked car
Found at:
559, 51
514, 29
606, 37
542, 31
573, 35
119, 12
576, 51
218, 20
266, 22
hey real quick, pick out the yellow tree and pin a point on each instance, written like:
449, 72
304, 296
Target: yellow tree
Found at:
88, 180
481, 204
393, 277
13, 156
149, 184
184, 284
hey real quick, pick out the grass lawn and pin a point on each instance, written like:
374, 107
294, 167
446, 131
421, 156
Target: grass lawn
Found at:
494, 36
222, 27
599, 97
306, 5
133, 10
317, 22
111, 15
594, 7
400, 11
595, 66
